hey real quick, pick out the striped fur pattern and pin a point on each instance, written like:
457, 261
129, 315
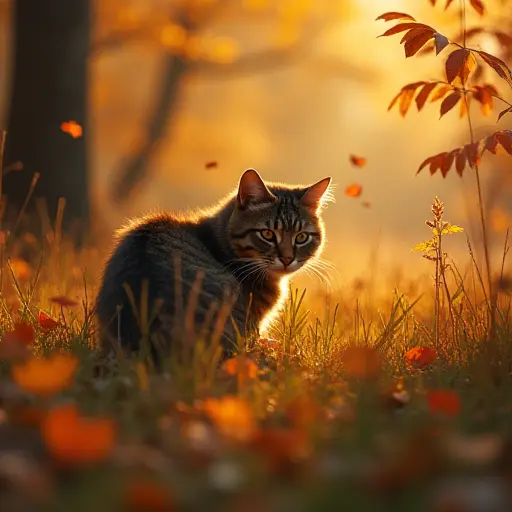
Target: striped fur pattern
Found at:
219, 272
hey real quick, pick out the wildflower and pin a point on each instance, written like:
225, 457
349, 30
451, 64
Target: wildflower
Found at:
45, 377
46, 322
419, 357
72, 439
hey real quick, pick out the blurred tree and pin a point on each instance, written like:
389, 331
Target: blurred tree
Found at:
185, 31
49, 87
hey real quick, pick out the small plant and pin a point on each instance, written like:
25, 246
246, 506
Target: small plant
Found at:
433, 251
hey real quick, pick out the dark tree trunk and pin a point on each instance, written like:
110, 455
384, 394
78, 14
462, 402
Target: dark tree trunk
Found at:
49, 87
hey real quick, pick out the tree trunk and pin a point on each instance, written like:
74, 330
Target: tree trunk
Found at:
49, 87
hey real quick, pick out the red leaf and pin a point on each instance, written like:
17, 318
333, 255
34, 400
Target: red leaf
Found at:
505, 139
449, 102
498, 65
455, 64
417, 40
478, 6
401, 27
46, 322
422, 96
506, 111
389, 16
358, 161
64, 301
354, 190
472, 153
460, 161
441, 42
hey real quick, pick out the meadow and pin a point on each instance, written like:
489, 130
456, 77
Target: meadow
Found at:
367, 401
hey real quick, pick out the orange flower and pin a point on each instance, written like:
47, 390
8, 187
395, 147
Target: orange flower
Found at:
362, 362
148, 497
72, 439
419, 357
72, 128
64, 301
443, 401
353, 190
241, 366
45, 377
232, 417
46, 322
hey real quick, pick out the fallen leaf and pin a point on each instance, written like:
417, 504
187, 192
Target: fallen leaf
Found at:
358, 161
354, 190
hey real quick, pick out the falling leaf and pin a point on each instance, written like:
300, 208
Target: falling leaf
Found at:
72, 128
45, 376
358, 161
72, 439
211, 165
389, 16
420, 357
46, 322
443, 402
362, 362
354, 190
64, 301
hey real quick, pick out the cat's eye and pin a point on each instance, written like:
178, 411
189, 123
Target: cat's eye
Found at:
301, 238
267, 234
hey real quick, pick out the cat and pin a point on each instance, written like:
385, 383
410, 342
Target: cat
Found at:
222, 269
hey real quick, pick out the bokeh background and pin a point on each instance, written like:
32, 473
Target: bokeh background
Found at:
289, 87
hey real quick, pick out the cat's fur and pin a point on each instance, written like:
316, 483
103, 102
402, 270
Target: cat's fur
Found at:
226, 246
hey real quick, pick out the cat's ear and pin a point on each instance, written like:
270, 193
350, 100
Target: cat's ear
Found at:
312, 198
252, 189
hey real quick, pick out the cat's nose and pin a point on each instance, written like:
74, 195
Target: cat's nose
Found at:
286, 260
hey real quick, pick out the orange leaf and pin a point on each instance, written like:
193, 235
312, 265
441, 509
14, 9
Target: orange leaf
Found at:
46, 322
73, 439
422, 96
505, 139
72, 128
64, 301
358, 161
478, 6
441, 92
449, 102
456, 63
353, 190
211, 165
362, 362
460, 161
444, 402
389, 16
419, 357
441, 42
45, 377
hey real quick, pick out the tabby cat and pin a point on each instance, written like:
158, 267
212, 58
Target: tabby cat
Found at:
219, 272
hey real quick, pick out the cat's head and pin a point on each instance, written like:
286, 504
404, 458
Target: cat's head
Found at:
277, 226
